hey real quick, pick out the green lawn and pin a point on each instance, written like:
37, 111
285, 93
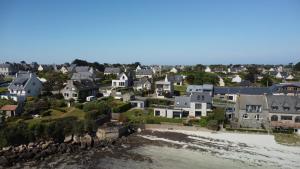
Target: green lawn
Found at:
56, 114
146, 117
3, 90
288, 139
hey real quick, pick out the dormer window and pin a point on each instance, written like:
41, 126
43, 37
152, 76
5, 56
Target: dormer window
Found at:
274, 107
286, 108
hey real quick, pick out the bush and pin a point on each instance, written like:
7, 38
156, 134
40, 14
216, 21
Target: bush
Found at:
203, 122
164, 102
46, 113
122, 108
213, 125
79, 105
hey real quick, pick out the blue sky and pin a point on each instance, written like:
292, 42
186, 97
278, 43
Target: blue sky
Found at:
151, 31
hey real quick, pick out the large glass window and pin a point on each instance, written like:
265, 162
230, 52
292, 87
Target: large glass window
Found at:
297, 119
274, 118
286, 117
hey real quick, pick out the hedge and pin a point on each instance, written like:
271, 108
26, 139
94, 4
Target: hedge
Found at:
122, 108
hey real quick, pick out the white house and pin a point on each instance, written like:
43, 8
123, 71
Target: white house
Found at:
40, 68
290, 77
207, 69
122, 81
236, 79
26, 84
221, 82
195, 106
142, 84
278, 75
174, 70
164, 87
64, 70
138, 68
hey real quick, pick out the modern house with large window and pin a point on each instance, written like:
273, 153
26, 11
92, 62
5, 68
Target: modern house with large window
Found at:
196, 105
79, 90
164, 87
121, 81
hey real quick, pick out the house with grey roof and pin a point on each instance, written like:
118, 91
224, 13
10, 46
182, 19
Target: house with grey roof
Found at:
25, 84
251, 111
79, 90
142, 84
7, 69
176, 79
196, 105
205, 88
121, 81
83, 73
284, 111
112, 71
291, 89
140, 73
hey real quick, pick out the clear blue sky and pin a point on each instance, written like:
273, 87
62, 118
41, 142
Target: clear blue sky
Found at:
151, 31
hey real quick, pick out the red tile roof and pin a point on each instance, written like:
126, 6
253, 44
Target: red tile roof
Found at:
9, 107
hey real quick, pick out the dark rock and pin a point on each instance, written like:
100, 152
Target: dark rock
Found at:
3, 161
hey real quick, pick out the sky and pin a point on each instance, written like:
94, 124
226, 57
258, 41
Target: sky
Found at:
151, 31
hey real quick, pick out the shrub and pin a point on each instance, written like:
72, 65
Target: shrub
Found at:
78, 105
213, 125
46, 113
203, 122
122, 108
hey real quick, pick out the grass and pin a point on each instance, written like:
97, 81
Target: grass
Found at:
3, 90
287, 139
138, 116
55, 115
180, 89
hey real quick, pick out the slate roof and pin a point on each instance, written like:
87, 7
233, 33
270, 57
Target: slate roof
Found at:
20, 81
85, 84
201, 97
144, 72
199, 88
5, 65
82, 75
141, 82
176, 78
112, 70
82, 69
252, 100
241, 90
282, 102
182, 101
274, 88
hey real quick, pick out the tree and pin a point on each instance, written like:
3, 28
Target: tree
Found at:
190, 79
297, 67
251, 75
266, 81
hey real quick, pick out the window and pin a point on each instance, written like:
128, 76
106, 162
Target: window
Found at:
274, 107
230, 97
198, 113
157, 113
74, 94
198, 106
286, 117
253, 108
286, 108
256, 117
28, 91
274, 118
245, 116
297, 119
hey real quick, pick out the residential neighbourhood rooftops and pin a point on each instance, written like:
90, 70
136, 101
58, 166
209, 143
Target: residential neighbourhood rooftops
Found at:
199, 88
182, 101
201, 97
241, 90
144, 72
245, 100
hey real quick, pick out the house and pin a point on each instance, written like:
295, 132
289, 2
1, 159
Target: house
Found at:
112, 71
292, 89
251, 111
7, 69
10, 110
156, 69
25, 84
196, 105
278, 75
207, 69
284, 112
290, 77
64, 70
176, 79
71, 68
221, 82
205, 88
232, 93
138, 68
121, 81
79, 90
164, 87
144, 73
83, 72
142, 84
174, 70
236, 79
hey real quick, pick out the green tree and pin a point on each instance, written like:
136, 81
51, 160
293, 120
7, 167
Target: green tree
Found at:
297, 67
